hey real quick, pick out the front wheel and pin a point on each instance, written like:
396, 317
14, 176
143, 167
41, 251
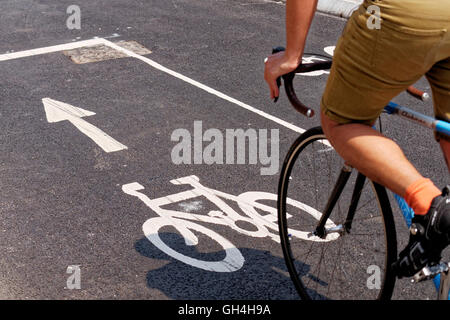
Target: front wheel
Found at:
351, 264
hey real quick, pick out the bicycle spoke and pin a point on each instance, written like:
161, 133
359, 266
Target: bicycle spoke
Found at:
336, 264
366, 204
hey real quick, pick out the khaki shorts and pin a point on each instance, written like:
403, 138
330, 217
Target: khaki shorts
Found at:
370, 67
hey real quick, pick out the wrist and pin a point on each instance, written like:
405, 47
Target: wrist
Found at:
293, 58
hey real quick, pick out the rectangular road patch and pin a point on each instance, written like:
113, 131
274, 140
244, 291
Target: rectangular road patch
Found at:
102, 52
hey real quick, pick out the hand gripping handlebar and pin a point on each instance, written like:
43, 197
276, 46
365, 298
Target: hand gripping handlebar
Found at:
288, 86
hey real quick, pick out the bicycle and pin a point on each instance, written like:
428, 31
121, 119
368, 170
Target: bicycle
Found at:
314, 174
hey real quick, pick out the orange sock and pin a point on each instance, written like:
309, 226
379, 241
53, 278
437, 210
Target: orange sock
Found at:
420, 194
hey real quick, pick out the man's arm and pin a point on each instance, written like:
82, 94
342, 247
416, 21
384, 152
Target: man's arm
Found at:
299, 15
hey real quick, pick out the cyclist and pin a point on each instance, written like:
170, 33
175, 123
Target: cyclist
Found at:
370, 67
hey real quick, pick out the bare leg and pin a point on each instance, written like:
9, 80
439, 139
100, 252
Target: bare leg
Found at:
377, 157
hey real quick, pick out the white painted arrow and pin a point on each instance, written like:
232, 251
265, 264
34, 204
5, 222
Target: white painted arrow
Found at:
58, 111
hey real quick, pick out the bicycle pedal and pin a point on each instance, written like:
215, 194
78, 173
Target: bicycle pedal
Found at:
429, 272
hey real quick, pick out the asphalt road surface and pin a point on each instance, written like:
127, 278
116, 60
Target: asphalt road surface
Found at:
85, 148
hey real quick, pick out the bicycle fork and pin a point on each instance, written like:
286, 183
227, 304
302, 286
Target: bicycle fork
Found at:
342, 180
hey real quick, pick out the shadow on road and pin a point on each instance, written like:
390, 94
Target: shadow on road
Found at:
263, 275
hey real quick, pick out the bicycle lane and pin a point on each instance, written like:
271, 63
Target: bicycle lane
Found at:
235, 117
64, 190
235, 263
141, 110
59, 138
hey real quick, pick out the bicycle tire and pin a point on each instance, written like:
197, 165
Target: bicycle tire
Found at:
300, 156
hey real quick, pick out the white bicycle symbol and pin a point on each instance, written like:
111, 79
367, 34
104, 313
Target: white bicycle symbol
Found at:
185, 222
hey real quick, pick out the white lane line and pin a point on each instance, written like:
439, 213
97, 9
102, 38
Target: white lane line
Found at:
51, 49
202, 86
97, 41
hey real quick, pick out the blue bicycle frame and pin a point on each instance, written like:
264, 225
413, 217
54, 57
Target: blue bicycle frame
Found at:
440, 126
426, 121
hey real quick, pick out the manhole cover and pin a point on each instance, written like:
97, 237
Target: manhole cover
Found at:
102, 52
